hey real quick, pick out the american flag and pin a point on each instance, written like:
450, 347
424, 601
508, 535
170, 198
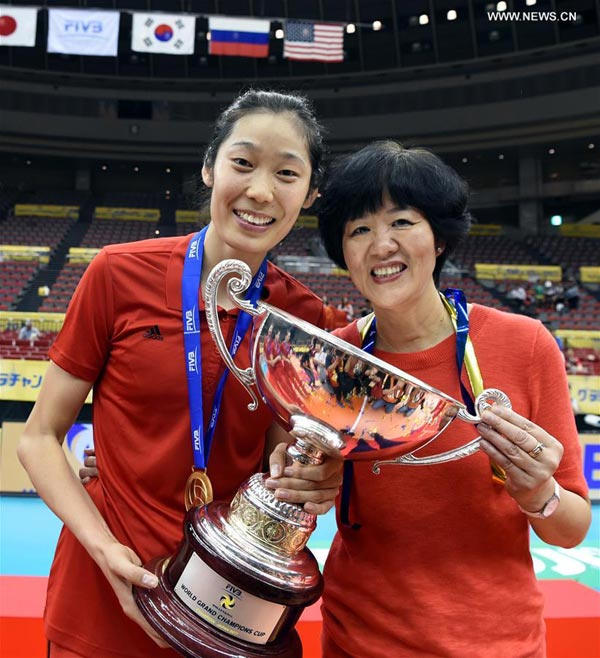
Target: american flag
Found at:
318, 42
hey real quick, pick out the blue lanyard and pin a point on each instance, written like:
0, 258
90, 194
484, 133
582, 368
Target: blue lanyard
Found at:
190, 287
458, 300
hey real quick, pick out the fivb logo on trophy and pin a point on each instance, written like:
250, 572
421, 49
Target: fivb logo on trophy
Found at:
243, 575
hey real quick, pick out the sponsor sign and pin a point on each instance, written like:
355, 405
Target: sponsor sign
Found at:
21, 380
46, 210
307, 221
585, 393
579, 338
519, 272
192, 217
30, 252
580, 230
133, 214
589, 274
485, 229
82, 254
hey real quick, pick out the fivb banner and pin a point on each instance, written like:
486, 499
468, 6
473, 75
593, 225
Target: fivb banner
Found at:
83, 32
163, 33
17, 25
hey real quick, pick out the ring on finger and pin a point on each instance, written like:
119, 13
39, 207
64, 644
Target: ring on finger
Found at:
537, 451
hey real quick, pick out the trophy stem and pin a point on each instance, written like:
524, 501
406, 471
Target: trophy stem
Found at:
313, 440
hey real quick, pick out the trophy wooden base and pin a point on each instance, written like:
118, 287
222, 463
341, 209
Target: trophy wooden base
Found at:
192, 637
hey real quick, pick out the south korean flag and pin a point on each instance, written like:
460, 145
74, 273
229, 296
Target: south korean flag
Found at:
163, 33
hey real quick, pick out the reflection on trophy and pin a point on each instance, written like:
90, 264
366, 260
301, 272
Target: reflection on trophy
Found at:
242, 575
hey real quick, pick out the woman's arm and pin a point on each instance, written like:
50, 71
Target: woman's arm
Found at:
40, 451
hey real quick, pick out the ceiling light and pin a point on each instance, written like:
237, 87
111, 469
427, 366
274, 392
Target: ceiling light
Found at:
591, 146
451, 15
556, 220
350, 28
551, 151
136, 168
279, 34
465, 160
168, 170
377, 25
423, 19
104, 167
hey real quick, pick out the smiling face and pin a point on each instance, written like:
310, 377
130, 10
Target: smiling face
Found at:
391, 255
260, 182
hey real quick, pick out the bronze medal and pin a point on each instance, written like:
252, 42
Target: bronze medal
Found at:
198, 490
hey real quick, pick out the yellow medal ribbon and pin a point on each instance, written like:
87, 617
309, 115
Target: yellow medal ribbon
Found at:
471, 366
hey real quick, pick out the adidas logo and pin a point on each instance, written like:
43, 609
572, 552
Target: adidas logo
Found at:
154, 333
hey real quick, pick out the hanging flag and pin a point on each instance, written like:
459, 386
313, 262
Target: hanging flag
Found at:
244, 37
17, 25
163, 33
317, 42
83, 32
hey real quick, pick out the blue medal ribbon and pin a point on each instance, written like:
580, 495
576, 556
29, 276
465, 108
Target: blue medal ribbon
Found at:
458, 300
190, 287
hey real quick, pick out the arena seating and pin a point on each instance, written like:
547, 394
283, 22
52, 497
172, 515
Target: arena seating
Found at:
38, 231
491, 249
111, 231
13, 348
297, 243
63, 288
14, 278
566, 251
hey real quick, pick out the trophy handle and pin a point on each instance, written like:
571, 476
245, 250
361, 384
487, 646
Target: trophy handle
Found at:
313, 440
483, 401
235, 286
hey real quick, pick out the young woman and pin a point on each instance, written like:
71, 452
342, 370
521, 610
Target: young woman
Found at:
263, 166
442, 552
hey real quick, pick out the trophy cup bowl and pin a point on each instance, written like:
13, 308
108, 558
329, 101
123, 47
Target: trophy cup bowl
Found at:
242, 576
333, 396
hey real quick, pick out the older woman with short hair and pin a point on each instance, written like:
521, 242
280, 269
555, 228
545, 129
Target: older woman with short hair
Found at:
437, 561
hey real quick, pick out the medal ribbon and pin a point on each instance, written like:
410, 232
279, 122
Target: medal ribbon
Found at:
190, 287
455, 303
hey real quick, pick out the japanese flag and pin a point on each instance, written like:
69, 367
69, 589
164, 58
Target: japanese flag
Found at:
17, 25
163, 33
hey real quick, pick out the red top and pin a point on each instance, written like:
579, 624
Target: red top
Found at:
142, 425
441, 565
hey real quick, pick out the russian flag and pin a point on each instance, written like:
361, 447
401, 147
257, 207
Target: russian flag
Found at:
244, 37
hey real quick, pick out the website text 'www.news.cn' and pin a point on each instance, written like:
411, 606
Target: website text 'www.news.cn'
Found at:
533, 16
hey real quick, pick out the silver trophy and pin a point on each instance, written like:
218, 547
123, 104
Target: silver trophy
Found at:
333, 396
242, 574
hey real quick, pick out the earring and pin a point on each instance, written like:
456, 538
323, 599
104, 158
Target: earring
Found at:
438, 250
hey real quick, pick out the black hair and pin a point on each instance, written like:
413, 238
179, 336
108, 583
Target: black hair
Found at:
259, 100
412, 177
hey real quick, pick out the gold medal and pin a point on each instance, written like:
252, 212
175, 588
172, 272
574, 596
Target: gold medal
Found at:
198, 489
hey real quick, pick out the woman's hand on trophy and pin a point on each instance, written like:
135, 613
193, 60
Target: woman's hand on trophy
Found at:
89, 469
314, 487
123, 568
527, 453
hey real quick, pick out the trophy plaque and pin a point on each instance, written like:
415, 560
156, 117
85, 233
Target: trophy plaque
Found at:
242, 574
